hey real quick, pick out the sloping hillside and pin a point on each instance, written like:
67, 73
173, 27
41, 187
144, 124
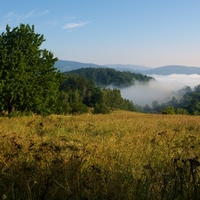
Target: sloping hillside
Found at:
65, 65
108, 76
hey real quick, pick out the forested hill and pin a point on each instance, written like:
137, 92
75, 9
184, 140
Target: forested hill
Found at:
108, 76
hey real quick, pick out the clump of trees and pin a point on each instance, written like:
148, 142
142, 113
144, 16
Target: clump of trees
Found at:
78, 94
29, 82
186, 101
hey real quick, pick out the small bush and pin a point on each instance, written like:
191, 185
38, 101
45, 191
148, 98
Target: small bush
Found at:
168, 110
78, 108
101, 108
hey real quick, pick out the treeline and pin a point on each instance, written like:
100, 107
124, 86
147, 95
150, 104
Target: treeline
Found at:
107, 76
79, 95
185, 101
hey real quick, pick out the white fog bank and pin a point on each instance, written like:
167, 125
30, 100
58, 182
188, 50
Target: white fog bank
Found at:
160, 89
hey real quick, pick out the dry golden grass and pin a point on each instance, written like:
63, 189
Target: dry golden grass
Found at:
123, 155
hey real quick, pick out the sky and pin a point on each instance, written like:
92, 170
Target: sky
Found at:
141, 32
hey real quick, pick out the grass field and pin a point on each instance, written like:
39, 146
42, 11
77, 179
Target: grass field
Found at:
122, 155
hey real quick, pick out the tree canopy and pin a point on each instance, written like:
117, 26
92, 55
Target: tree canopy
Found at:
28, 79
77, 92
107, 76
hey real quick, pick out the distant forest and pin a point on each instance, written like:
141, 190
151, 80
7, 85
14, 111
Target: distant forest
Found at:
87, 89
107, 76
185, 101
79, 95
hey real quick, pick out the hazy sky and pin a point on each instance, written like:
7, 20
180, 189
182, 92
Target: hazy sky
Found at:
145, 32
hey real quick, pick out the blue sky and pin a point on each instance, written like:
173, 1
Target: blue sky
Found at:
144, 32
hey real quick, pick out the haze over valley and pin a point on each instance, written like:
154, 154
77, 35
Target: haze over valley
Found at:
160, 90
169, 79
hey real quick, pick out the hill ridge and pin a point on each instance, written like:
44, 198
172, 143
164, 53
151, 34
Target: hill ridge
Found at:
66, 65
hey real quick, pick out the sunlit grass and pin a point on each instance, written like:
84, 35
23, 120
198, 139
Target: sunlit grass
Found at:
122, 155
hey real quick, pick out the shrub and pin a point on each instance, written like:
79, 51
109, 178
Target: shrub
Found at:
168, 110
101, 108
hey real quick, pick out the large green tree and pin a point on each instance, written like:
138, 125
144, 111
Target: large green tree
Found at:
28, 79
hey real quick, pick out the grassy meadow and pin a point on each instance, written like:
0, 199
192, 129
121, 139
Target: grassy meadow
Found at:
122, 155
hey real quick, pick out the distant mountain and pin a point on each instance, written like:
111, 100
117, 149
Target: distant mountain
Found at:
65, 65
131, 68
172, 69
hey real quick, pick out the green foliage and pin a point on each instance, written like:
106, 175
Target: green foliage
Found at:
79, 91
194, 105
185, 102
129, 105
77, 94
64, 106
28, 79
113, 99
101, 108
181, 111
96, 96
71, 103
107, 76
168, 110
78, 108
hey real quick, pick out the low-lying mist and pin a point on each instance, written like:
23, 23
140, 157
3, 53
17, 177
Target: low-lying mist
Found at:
159, 90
